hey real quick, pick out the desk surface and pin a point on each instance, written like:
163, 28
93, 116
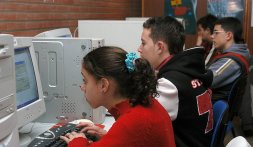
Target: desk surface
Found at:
34, 129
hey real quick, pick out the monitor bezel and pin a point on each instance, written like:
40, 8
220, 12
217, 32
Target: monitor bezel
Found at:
35, 109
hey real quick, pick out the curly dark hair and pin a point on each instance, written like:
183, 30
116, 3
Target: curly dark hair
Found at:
108, 61
207, 22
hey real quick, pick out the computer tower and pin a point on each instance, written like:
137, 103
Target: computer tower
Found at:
8, 115
59, 62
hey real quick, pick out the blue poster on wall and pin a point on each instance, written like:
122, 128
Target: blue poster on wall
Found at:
184, 9
226, 8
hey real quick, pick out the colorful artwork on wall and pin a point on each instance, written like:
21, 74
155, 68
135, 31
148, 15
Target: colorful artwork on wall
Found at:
226, 8
184, 9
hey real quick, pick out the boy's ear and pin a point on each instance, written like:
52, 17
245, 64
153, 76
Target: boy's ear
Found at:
161, 46
209, 31
229, 35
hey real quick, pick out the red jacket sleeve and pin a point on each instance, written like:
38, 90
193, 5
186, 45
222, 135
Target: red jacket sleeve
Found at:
78, 142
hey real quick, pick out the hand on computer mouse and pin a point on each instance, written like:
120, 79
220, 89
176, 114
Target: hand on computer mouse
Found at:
92, 129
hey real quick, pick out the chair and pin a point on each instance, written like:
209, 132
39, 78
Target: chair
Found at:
235, 99
238, 141
220, 115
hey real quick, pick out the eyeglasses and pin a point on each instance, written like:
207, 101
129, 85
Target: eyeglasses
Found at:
217, 32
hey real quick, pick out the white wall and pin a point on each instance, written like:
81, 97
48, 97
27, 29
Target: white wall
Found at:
124, 34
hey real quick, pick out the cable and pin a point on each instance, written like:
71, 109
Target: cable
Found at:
75, 31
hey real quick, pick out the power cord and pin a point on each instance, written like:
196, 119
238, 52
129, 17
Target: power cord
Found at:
75, 31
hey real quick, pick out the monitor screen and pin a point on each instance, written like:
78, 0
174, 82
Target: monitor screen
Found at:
26, 86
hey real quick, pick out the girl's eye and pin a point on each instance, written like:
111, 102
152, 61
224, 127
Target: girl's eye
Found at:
84, 82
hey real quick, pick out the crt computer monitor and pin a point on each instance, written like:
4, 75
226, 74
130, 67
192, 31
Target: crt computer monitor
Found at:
29, 97
61, 32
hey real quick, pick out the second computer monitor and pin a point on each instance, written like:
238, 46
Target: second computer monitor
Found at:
61, 32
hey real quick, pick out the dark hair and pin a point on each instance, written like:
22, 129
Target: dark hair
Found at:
167, 29
207, 22
233, 25
109, 61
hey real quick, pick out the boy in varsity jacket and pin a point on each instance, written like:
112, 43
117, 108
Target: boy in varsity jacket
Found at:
182, 80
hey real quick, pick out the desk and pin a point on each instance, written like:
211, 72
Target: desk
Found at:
32, 130
109, 120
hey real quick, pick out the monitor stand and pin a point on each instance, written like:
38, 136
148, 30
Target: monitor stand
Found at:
28, 132
24, 139
25, 134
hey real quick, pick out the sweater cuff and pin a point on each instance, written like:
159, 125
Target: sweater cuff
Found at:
78, 142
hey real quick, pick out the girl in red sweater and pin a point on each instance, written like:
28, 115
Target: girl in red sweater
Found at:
125, 85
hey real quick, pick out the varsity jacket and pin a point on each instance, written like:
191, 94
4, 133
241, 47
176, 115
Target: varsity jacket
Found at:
183, 91
227, 67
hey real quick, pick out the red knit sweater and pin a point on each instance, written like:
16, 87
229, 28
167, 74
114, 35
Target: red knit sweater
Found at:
137, 126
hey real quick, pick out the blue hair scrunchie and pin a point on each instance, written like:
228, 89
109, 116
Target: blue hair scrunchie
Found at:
130, 61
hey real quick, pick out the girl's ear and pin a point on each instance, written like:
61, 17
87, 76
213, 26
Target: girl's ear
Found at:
104, 85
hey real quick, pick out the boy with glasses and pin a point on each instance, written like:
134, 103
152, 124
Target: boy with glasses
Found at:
227, 36
230, 65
